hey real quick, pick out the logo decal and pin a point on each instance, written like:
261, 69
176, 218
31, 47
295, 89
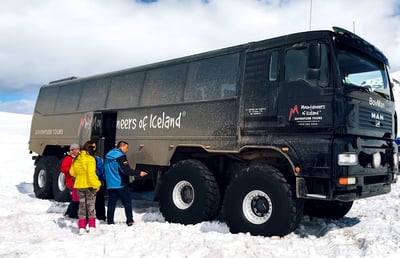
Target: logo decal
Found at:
293, 110
377, 116
307, 115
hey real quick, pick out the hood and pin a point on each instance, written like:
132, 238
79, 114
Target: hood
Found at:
114, 154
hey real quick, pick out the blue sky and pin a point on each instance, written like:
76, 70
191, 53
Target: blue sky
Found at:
397, 8
47, 40
12, 96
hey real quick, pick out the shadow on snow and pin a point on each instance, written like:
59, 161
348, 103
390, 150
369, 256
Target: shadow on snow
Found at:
143, 203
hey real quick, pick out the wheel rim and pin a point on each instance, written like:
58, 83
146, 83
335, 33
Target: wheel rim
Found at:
42, 178
61, 182
257, 207
183, 195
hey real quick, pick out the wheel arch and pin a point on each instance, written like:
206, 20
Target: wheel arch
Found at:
248, 152
283, 158
185, 151
55, 150
52, 150
279, 157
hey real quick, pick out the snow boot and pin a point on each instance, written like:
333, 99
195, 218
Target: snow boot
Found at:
92, 224
82, 226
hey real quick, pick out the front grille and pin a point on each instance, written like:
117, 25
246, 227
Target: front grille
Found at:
370, 119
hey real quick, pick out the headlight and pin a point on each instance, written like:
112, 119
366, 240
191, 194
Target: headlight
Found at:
376, 160
347, 159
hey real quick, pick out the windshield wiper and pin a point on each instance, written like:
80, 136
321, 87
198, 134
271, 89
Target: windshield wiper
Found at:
352, 87
384, 95
366, 89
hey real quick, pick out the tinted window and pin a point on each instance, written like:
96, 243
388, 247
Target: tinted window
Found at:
164, 85
212, 78
273, 66
296, 64
68, 98
125, 90
94, 95
46, 100
256, 67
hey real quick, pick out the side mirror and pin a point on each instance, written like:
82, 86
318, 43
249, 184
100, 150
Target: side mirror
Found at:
313, 74
314, 55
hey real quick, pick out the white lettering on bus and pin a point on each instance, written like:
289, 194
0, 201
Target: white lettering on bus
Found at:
377, 116
49, 132
151, 121
376, 103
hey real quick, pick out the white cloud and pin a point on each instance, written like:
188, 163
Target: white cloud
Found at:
51, 39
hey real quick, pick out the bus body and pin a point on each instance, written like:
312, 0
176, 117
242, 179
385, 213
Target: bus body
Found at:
268, 130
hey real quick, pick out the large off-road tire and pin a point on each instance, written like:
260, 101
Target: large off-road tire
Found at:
42, 178
259, 200
60, 191
327, 209
189, 193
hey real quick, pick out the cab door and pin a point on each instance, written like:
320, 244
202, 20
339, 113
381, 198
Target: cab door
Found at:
260, 92
305, 95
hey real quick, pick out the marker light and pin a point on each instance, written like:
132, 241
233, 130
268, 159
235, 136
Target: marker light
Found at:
347, 159
347, 180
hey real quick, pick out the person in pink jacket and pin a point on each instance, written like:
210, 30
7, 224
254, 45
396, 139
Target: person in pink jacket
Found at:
87, 184
72, 210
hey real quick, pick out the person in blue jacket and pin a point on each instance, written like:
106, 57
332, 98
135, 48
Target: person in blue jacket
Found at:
117, 172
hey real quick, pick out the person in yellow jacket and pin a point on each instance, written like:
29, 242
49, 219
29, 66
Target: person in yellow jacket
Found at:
87, 184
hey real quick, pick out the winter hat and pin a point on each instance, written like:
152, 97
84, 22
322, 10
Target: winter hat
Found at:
74, 146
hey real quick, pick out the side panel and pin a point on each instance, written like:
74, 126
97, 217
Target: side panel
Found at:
154, 132
62, 130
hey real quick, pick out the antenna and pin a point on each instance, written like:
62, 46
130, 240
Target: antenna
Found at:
309, 27
354, 27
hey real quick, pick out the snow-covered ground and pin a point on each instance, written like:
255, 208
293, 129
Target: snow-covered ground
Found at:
30, 227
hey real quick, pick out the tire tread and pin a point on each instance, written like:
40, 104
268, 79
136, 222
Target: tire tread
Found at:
212, 195
263, 172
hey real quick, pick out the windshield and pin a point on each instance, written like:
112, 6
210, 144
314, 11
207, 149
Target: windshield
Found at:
359, 72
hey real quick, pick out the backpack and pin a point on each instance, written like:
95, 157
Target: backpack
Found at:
99, 168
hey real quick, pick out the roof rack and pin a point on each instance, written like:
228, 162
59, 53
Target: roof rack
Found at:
65, 79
